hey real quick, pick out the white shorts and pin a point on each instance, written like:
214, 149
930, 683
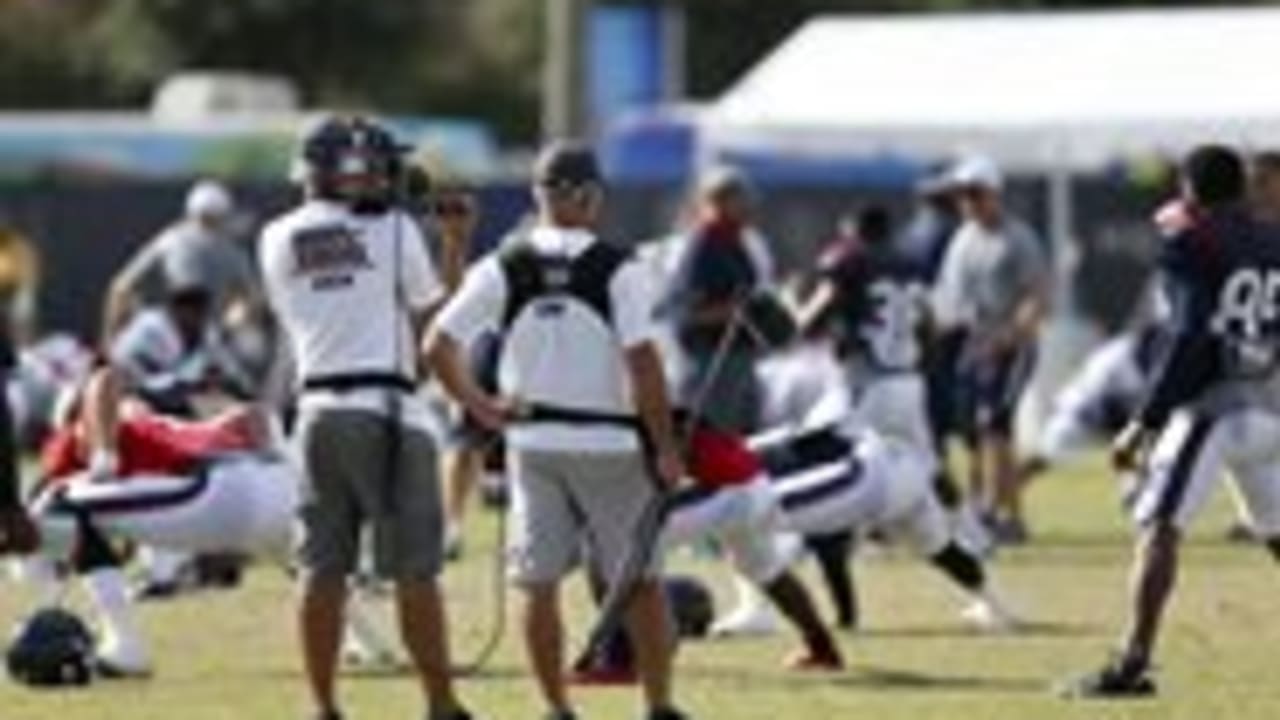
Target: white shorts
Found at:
1192, 453
239, 503
894, 406
878, 484
744, 521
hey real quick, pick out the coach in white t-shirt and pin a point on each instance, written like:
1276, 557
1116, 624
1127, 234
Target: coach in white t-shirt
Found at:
350, 280
574, 314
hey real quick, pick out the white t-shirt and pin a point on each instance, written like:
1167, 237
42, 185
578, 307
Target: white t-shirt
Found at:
330, 278
566, 358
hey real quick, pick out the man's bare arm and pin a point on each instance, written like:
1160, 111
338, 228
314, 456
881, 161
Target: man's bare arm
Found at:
444, 357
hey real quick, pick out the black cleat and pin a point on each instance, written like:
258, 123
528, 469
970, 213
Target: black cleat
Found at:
666, 714
156, 591
1117, 679
560, 715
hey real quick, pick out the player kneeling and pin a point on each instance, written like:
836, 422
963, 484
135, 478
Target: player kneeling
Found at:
755, 496
116, 471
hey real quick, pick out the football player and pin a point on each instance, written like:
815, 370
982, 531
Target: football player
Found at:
1213, 402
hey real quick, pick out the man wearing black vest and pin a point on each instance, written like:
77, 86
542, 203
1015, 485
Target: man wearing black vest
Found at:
579, 359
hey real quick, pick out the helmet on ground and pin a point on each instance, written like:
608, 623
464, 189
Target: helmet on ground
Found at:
692, 606
53, 647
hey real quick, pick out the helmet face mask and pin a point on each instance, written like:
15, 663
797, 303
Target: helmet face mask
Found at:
351, 160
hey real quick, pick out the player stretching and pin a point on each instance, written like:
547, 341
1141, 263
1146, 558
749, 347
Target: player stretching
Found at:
1213, 402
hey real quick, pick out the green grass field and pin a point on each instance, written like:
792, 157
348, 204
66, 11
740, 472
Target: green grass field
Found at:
230, 656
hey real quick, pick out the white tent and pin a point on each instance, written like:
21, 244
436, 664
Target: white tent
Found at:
1035, 90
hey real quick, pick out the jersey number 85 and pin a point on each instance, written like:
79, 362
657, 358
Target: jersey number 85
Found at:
1247, 319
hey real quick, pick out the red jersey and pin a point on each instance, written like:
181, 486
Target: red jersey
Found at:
146, 444
720, 459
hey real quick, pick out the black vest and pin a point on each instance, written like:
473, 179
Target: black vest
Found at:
531, 275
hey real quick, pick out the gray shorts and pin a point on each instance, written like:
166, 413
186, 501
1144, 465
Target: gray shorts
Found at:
565, 503
346, 484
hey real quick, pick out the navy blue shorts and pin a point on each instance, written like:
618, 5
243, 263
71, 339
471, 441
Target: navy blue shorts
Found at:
990, 390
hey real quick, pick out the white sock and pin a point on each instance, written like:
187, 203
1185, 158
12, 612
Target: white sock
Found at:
750, 599
163, 566
121, 639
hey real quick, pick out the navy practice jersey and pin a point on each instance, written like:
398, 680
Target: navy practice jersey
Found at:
1221, 273
879, 305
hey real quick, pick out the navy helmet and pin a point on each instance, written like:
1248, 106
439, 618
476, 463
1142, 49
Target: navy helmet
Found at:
692, 605
350, 159
53, 647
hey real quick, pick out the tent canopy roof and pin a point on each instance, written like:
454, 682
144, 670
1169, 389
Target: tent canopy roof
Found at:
1030, 88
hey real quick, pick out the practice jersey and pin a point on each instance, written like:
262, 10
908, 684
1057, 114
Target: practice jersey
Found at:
1221, 273
146, 443
880, 305
343, 286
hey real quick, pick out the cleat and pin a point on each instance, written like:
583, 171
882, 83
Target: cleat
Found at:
990, 616
807, 660
1117, 679
1010, 532
666, 714
156, 591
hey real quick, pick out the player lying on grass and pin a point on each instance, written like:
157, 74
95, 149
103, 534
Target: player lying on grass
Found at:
116, 472
755, 497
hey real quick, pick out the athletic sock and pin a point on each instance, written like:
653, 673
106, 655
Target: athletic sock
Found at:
121, 637
163, 567
962, 567
944, 487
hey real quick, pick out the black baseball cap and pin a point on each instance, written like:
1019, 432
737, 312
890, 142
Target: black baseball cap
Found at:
566, 164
